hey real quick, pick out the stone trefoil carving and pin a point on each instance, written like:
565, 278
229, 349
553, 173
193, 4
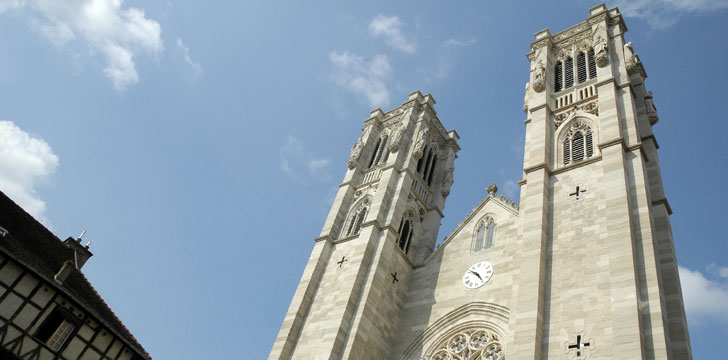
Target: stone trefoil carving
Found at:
591, 108
396, 138
470, 345
600, 52
631, 60
422, 139
539, 77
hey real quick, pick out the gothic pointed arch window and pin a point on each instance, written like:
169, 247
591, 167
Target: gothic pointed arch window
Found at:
356, 218
405, 235
381, 152
558, 77
578, 143
485, 234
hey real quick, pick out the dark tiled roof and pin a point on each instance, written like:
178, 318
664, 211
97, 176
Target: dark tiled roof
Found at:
29, 242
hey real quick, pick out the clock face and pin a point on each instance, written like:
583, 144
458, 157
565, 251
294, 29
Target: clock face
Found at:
477, 275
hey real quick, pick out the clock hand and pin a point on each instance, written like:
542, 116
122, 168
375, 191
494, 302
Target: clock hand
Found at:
476, 274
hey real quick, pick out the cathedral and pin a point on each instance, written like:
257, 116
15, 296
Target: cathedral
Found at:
582, 266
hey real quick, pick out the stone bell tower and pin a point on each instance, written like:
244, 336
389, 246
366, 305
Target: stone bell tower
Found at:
598, 274
385, 217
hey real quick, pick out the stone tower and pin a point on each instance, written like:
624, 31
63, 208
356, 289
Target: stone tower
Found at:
384, 219
584, 267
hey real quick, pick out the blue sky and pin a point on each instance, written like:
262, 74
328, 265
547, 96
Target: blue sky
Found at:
200, 145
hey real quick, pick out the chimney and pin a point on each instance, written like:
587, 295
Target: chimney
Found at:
81, 253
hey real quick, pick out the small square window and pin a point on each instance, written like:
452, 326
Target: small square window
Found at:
57, 328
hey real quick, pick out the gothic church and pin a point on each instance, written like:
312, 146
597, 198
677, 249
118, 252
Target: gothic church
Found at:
581, 267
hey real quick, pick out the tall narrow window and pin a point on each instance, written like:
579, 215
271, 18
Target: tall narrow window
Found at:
567, 151
578, 147
479, 237
381, 150
490, 232
558, 77
569, 70
432, 170
428, 165
355, 222
374, 154
405, 235
589, 143
592, 65
581, 67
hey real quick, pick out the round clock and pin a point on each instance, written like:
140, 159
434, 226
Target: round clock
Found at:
477, 275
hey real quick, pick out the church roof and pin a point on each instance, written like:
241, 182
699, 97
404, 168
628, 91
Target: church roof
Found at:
34, 246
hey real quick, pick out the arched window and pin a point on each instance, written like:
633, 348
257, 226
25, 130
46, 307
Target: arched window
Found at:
484, 236
355, 222
405, 235
558, 74
578, 144
421, 162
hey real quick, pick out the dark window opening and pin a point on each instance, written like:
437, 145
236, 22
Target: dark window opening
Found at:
569, 78
592, 65
56, 329
558, 73
581, 67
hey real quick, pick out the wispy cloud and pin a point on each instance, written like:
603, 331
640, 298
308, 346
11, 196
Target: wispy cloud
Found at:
390, 28
457, 42
367, 78
705, 299
661, 14
300, 163
186, 54
103, 26
25, 162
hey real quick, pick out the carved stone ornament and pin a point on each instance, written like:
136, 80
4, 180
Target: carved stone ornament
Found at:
525, 97
570, 32
600, 52
422, 139
651, 109
631, 60
470, 345
396, 137
591, 108
492, 189
356, 149
448, 180
539, 77
578, 126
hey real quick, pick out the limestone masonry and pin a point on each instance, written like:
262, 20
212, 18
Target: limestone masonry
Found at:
581, 267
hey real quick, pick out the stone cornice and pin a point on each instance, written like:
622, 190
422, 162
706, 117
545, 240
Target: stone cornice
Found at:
536, 167
664, 202
577, 165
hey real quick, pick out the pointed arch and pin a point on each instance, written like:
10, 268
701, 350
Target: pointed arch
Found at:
356, 217
484, 236
576, 139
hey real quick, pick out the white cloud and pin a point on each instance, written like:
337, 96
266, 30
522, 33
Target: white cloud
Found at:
662, 14
390, 27
186, 53
298, 162
704, 299
456, 42
103, 26
510, 189
363, 78
25, 162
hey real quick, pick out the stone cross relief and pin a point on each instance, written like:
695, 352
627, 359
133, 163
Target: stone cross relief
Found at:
342, 261
578, 192
394, 277
579, 346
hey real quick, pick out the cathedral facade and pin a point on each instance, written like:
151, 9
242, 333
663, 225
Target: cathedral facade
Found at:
582, 266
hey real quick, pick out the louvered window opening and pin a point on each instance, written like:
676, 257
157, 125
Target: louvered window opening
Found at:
578, 147
567, 151
592, 65
558, 73
405, 235
581, 67
569, 78
374, 154
382, 149
479, 237
422, 161
432, 170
